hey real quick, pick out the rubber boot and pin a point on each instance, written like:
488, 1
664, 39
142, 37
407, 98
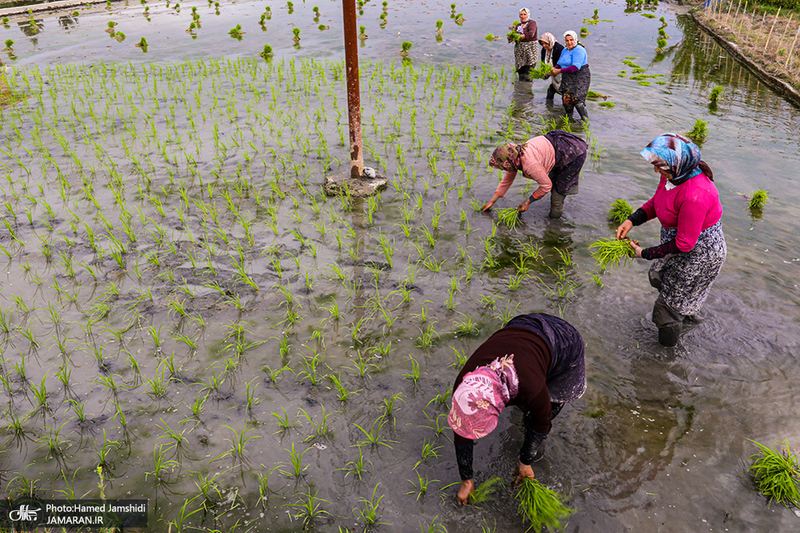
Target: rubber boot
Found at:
582, 111
556, 204
668, 321
524, 73
551, 93
568, 110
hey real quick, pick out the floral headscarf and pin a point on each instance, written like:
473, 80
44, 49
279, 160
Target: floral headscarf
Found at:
481, 397
676, 156
507, 157
548, 38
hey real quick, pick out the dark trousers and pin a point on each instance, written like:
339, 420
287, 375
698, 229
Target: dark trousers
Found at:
524, 73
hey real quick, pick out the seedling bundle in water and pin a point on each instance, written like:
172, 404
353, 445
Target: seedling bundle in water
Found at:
758, 199
776, 474
612, 252
484, 491
541, 506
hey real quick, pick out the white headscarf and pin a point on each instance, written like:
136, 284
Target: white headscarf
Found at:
573, 34
526, 10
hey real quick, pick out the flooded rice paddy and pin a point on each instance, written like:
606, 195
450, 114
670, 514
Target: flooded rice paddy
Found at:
181, 304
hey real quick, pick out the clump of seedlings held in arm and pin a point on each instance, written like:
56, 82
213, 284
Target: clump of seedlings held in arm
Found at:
542, 70
776, 474
612, 252
620, 210
509, 216
541, 506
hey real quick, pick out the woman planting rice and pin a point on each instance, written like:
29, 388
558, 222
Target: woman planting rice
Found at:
692, 248
535, 363
554, 161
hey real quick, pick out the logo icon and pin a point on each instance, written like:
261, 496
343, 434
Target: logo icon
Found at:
24, 514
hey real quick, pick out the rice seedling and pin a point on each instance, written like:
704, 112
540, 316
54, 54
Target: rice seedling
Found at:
296, 462
612, 252
716, 92
484, 491
776, 474
620, 210
389, 405
321, 429
263, 483
414, 375
373, 436
237, 444
307, 509
699, 131
356, 467
420, 486
758, 199
405, 47
541, 506
267, 52
162, 468
236, 32
437, 425
369, 513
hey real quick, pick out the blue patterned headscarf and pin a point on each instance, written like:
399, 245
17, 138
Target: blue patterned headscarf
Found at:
676, 156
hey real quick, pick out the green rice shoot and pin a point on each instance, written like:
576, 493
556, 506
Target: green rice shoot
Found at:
612, 252
758, 199
776, 474
541, 70
541, 506
484, 491
620, 210
509, 217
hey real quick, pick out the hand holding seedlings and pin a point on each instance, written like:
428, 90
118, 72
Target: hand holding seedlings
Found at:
524, 471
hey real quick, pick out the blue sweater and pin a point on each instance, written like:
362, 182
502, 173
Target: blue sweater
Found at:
573, 58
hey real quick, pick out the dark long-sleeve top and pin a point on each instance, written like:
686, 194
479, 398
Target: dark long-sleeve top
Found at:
557, 48
532, 360
528, 30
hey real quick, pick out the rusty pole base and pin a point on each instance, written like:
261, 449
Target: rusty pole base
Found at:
368, 184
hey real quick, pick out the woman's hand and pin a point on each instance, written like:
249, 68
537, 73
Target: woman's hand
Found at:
555, 72
623, 229
491, 202
637, 250
467, 488
524, 206
524, 471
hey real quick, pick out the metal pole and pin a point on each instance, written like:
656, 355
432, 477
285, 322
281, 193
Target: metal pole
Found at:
353, 90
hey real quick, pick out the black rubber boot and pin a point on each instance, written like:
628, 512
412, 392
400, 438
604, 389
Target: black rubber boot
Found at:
568, 108
524, 73
551, 92
668, 321
556, 204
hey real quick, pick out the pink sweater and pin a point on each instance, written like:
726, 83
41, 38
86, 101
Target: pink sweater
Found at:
538, 158
692, 207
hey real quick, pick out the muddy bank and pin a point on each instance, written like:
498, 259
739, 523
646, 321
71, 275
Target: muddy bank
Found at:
779, 80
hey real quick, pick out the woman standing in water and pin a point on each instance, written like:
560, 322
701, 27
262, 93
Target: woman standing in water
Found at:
692, 248
525, 48
551, 53
536, 363
573, 65
553, 160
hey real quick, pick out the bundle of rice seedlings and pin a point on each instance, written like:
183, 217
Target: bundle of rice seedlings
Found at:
509, 216
484, 491
541, 506
612, 252
620, 210
541, 70
699, 131
776, 474
715, 93
758, 199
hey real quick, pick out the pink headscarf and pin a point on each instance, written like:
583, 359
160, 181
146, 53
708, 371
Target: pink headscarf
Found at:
481, 397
